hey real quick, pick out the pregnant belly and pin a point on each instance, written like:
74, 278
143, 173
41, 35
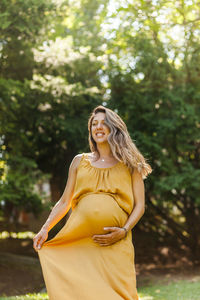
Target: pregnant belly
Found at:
95, 211
92, 213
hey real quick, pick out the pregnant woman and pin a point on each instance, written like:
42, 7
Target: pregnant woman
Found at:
92, 256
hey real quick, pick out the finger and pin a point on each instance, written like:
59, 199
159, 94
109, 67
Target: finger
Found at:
41, 242
102, 239
37, 240
99, 241
35, 247
102, 235
110, 228
37, 243
106, 244
107, 241
102, 243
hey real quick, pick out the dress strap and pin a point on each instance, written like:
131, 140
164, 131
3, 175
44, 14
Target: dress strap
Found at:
83, 158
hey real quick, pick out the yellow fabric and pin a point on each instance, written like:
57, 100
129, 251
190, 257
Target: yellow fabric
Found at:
73, 265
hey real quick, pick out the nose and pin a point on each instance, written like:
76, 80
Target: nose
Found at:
99, 125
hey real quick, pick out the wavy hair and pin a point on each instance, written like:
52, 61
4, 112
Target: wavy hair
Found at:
121, 144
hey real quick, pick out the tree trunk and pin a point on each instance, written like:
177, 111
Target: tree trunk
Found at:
55, 187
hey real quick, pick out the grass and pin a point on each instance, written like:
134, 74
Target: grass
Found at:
27, 297
180, 290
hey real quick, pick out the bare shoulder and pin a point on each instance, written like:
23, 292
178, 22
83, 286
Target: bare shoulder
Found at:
76, 161
136, 176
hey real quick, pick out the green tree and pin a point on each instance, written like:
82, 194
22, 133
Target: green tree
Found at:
44, 111
154, 85
23, 25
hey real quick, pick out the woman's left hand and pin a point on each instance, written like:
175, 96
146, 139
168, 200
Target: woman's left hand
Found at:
113, 235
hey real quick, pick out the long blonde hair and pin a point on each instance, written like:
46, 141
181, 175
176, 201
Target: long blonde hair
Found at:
121, 144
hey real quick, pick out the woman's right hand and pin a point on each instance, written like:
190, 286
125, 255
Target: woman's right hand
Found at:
40, 238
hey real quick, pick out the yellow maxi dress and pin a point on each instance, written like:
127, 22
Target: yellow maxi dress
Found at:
74, 266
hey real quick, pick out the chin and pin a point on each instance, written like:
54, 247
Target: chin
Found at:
99, 141
104, 138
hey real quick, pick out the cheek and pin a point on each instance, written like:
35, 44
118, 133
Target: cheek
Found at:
92, 132
107, 130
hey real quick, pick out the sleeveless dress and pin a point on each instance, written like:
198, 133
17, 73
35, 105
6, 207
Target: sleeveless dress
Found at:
74, 266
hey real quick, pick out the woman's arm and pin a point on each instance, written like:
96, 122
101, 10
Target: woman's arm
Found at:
61, 207
139, 200
114, 234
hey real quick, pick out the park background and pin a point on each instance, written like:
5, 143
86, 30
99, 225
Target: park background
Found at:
58, 60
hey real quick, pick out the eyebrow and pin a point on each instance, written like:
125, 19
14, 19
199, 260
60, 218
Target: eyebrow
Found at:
97, 120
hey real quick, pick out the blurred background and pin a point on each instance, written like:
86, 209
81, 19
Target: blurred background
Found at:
58, 60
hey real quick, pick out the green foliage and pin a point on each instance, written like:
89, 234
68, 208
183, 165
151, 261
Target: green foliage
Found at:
87, 19
17, 189
43, 116
22, 23
23, 18
156, 90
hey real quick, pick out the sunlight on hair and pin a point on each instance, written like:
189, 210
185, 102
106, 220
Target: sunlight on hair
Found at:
122, 146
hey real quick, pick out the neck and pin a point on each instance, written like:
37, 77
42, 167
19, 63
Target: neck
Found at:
104, 150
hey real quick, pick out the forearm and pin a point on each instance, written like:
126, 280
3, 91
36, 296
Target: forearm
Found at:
61, 208
134, 217
58, 212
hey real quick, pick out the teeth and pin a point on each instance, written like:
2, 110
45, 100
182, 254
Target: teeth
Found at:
99, 134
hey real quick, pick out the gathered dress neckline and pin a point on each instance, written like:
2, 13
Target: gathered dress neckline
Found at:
104, 168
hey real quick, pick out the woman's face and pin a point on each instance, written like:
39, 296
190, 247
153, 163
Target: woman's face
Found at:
99, 129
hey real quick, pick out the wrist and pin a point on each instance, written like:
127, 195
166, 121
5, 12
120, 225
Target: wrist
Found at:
45, 227
125, 231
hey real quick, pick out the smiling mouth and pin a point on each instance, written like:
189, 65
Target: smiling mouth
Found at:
100, 134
